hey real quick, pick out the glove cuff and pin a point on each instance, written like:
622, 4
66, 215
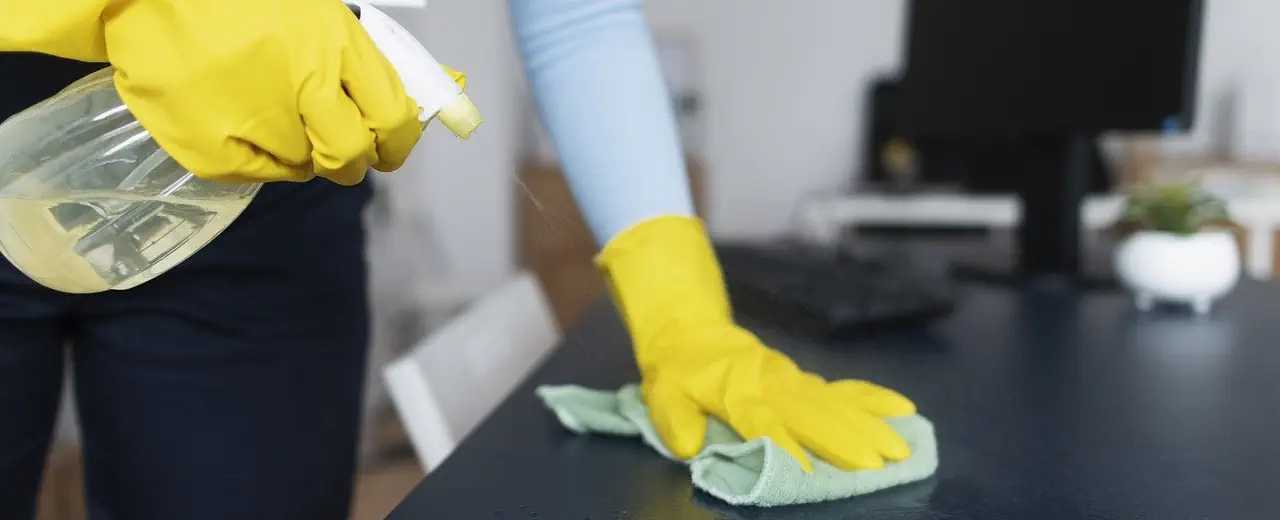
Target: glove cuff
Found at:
663, 273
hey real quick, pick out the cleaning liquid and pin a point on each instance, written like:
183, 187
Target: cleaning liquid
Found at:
89, 202
86, 245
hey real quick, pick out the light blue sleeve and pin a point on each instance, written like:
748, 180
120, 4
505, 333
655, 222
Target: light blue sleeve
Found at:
599, 89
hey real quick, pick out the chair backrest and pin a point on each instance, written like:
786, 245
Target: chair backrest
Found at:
448, 383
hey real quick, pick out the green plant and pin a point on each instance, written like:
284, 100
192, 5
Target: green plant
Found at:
1182, 209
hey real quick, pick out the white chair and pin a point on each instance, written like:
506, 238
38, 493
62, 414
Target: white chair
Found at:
452, 379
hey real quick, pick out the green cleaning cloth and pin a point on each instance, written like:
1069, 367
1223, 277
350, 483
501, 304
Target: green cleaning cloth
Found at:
743, 473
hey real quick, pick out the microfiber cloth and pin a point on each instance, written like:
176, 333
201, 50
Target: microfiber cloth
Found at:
743, 473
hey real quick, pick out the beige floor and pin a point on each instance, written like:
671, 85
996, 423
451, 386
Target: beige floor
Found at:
379, 487
378, 490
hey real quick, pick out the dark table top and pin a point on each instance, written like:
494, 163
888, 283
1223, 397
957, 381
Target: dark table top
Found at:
1048, 405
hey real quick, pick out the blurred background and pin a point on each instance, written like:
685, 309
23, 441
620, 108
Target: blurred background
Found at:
778, 104
774, 105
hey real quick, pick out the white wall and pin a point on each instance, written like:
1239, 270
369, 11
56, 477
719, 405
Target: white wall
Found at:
783, 97
468, 185
783, 106
1241, 52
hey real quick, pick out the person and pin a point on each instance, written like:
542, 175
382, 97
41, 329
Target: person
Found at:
230, 386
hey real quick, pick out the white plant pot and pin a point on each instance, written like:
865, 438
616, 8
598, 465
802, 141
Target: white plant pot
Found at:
1195, 270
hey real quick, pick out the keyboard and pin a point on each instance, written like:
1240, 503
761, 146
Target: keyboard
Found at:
822, 292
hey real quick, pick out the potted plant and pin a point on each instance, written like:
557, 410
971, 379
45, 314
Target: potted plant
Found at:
1177, 247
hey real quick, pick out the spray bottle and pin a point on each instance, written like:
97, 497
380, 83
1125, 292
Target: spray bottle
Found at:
91, 203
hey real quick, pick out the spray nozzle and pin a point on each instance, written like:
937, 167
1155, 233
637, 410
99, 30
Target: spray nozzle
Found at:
437, 93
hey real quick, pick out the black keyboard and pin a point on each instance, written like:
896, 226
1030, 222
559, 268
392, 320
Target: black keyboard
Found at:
822, 292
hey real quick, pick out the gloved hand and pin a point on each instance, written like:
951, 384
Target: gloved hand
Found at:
695, 361
238, 90
67, 28
261, 90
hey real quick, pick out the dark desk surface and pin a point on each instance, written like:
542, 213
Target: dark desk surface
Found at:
1047, 407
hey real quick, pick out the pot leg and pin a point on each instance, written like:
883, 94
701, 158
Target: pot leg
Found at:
1144, 301
1201, 305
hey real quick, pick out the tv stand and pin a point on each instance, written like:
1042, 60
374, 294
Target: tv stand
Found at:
1048, 239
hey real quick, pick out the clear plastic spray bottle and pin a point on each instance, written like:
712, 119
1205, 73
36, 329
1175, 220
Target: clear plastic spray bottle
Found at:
89, 202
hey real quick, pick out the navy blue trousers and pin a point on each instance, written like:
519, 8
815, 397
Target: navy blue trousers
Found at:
226, 389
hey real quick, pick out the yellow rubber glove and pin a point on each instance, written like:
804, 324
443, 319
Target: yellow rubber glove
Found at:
66, 28
238, 90
261, 90
695, 361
